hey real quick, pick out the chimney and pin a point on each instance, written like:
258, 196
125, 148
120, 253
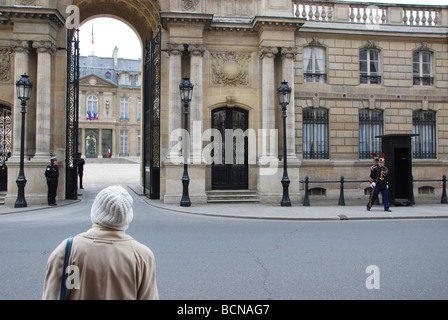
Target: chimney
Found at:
115, 56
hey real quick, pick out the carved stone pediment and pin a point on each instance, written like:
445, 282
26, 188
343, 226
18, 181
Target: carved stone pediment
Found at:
230, 68
94, 80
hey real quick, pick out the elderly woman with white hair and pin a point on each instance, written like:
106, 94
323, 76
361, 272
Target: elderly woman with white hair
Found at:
105, 263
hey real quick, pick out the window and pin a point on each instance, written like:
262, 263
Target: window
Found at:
139, 141
124, 148
92, 108
314, 64
424, 124
139, 109
315, 134
124, 79
369, 66
124, 108
138, 80
370, 126
422, 66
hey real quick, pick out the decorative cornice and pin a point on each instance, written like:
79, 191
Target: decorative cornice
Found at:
168, 18
290, 23
10, 13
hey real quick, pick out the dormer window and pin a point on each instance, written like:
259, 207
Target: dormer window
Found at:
125, 79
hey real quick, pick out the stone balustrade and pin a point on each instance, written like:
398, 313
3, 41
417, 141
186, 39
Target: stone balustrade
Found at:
372, 13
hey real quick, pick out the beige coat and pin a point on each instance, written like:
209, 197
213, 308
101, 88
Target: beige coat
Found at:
111, 264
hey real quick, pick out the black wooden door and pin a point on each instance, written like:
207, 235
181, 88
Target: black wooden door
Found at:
230, 167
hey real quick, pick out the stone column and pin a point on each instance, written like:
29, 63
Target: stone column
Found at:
288, 75
21, 66
196, 106
44, 51
269, 95
174, 103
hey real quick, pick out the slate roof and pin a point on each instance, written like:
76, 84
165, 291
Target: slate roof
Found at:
104, 68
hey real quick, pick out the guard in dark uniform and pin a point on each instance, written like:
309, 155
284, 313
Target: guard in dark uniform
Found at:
81, 163
381, 184
52, 175
374, 171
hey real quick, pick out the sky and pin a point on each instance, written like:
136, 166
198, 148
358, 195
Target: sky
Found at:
109, 32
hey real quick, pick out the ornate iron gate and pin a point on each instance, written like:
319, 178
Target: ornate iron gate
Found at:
5, 145
72, 107
151, 145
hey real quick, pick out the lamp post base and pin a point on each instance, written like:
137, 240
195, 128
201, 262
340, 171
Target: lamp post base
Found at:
286, 202
185, 201
21, 202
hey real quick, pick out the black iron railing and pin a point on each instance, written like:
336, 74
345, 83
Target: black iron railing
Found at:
341, 181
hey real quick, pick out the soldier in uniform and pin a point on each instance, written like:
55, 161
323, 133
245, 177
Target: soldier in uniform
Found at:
373, 173
52, 175
381, 184
81, 163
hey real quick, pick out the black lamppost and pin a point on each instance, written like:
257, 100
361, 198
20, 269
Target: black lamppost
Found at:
284, 94
23, 87
186, 92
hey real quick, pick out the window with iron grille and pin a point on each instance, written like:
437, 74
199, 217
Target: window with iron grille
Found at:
422, 66
315, 134
424, 126
314, 64
370, 126
369, 66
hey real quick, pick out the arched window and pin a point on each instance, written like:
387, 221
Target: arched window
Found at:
315, 133
370, 126
424, 126
92, 108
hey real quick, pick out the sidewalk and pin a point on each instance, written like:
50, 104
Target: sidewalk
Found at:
322, 210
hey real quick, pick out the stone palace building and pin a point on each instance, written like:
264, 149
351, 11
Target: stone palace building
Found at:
110, 106
357, 70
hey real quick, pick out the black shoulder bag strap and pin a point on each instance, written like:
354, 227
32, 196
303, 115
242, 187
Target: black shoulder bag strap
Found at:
64, 273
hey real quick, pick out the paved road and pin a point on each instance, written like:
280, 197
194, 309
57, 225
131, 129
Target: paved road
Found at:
210, 257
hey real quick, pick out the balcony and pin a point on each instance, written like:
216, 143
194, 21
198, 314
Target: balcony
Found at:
372, 14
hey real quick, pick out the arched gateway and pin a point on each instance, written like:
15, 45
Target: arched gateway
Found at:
40, 40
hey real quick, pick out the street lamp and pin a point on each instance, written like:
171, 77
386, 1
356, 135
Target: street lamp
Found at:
186, 92
23, 87
284, 95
